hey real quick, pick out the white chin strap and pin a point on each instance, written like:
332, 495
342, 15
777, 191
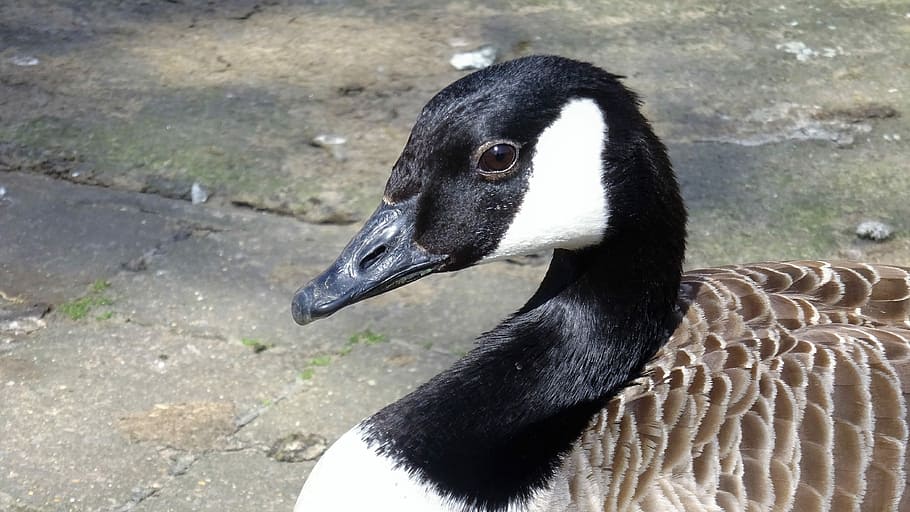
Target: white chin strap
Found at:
565, 205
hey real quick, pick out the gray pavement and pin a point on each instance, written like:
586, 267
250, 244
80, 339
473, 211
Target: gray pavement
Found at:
148, 360
185, 369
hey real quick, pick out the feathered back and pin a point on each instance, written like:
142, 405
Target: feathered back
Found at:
784, 388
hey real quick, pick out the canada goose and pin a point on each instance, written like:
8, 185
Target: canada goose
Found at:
623, 384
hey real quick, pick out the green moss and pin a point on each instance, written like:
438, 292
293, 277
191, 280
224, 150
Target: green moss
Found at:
79, 308
202, 136
100, 285
76, 309
778, 205
321, 361
367, 337
316, 362
255, 344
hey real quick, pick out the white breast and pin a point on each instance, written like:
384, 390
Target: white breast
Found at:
351, 476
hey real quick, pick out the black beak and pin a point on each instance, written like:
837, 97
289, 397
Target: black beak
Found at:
381, 257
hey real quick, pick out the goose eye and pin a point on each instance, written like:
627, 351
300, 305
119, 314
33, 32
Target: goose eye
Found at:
498, 159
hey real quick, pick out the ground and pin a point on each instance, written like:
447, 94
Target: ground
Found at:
148, 360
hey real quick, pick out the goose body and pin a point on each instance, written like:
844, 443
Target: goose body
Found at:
783, 388
623, 384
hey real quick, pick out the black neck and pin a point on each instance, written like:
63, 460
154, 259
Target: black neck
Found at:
492, 429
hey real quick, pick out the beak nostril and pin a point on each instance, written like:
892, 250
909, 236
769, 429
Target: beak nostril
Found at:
371, 258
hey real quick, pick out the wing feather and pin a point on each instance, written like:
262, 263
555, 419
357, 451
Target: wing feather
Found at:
785, 387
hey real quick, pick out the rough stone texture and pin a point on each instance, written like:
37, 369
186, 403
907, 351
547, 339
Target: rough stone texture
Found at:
806, 102
121, 407
298, 447
18, 318
787, 122
183, 426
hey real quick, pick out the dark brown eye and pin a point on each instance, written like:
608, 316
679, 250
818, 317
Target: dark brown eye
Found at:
498, 159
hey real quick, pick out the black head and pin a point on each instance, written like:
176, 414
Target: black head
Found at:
536, 153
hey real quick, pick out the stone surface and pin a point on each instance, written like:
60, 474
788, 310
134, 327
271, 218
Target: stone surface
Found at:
154, 96
18, 318
168, 365
298, 447
192, 356
182, 426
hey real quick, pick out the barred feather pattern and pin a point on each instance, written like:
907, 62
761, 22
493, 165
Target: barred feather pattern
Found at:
785, 387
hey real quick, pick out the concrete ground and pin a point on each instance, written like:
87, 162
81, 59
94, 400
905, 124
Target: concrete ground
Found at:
148, 360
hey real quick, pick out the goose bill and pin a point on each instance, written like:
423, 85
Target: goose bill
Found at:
382, 256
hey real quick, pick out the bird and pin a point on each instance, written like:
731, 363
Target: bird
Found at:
624, 383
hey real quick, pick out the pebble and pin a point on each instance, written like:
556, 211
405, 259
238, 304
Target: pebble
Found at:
19, 319
874, 230
478, 58
2, 192
298, 447
181, 463
24, 60
139, 263
198, 194
803, 53
798, 48
335, 144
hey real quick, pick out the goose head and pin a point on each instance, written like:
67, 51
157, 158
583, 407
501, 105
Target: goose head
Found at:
535, 154
540, 153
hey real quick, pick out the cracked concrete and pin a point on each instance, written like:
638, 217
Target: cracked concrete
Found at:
132, 405
148, 361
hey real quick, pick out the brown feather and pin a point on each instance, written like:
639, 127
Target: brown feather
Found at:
785, 387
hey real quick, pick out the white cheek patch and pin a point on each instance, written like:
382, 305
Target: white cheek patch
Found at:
565, 204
